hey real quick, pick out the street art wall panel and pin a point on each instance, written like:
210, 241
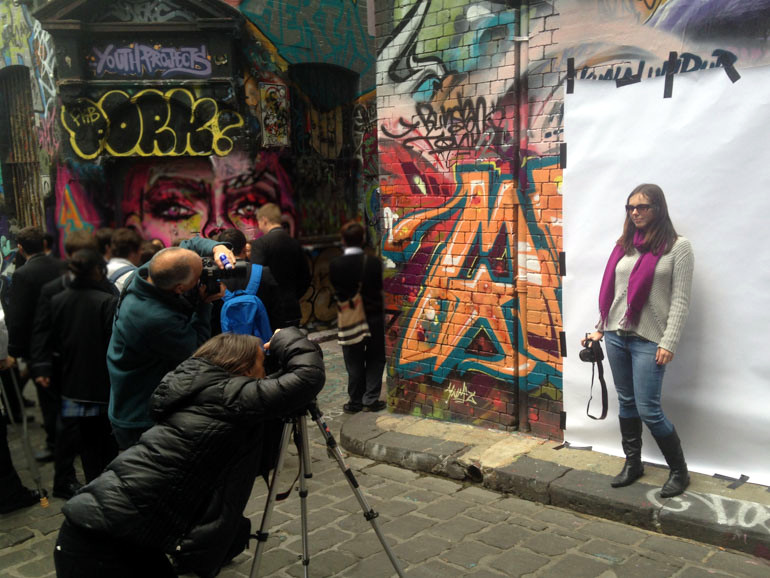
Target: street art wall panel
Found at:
705, 147
471, 234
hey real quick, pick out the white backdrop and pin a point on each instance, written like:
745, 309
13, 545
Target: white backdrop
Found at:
707, 147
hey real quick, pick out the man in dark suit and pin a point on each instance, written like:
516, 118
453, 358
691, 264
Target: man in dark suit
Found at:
284, 255
26, 283
364, 361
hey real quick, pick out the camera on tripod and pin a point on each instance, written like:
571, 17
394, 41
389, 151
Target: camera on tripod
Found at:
211, 274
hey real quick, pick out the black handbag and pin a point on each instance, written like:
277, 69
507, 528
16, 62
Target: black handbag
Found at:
592, 353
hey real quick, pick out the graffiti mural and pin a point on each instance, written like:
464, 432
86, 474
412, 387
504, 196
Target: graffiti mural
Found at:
274, 102
150, 123
142, 61
458, 231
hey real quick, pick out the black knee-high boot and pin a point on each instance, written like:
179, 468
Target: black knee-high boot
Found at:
678, 478
631, 433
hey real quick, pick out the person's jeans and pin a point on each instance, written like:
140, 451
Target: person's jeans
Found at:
638, 380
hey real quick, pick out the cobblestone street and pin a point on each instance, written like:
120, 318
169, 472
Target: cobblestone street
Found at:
436, 527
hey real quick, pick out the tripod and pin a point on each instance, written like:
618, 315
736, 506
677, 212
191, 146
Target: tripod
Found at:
298, 424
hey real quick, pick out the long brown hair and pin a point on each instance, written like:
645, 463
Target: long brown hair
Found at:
236, 354
660, 235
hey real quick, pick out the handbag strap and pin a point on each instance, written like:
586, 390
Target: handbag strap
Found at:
594, 366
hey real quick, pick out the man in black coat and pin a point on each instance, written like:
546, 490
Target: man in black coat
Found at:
284, 255
364, 361
26, 283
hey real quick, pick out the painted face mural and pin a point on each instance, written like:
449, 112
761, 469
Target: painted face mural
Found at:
174, 199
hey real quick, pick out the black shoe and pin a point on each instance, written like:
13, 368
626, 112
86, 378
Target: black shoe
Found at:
378, 405
352, 407
678, 478
23, 499
68, 490
44, 455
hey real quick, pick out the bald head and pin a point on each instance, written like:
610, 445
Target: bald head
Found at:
175, 269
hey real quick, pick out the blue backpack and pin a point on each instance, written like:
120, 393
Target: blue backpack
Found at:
243, 312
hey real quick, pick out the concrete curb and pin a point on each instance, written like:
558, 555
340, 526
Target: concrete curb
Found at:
708, 518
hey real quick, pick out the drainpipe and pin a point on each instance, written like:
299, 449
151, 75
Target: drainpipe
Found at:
522, 142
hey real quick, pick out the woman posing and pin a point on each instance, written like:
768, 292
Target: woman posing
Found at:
644, 301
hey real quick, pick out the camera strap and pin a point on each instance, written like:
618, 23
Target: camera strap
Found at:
594, 366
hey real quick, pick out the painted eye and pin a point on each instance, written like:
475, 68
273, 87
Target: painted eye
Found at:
171, 211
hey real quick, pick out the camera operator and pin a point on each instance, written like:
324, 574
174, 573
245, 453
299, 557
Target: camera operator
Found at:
163, 315
182, 488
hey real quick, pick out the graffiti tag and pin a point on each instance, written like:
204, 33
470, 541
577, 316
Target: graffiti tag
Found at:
143, 60
727, 511
463, 395
149, 123
147, 11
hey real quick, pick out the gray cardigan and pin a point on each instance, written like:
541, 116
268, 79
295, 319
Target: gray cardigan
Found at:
665, 313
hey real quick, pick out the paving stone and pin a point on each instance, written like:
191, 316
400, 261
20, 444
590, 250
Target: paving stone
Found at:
388, 489
393, 473
420, 497
376, 566
355, 523
431, 569
549, 544
14, 557
364, 545
469, 554
328, 563
740, 564
478, 495
272, 561
696, 572
39, 567
324, 539
15, 537
644, 567
407, 526
458, 528
517, 562
575, 566
607, 551
504, 535
614, 532
530, 524
519, 506
394, 507
678, 548
561, 518
487, 514
439, 485
315, 519
445, 509
420, 549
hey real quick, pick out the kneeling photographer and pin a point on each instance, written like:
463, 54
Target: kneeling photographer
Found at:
182, 488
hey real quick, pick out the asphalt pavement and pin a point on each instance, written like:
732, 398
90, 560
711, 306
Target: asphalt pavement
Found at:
457, 500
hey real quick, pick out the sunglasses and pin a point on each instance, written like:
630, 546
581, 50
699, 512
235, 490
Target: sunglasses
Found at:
640, 208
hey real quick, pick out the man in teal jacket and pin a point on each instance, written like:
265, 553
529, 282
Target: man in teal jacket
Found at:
162, 318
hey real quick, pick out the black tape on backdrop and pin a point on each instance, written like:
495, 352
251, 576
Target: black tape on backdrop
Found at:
563, 155
562, 264
736, 483
668, 89
570, 75
563, 343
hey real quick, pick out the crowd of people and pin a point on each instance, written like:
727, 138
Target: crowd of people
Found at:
125, 345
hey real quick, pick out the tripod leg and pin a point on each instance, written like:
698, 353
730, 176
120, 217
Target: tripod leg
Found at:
267, 515
304, 473
370, 515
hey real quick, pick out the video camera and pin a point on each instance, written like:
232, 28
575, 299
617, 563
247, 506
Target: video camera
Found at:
212, 274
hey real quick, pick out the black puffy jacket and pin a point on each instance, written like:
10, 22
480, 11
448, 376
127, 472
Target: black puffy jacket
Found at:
184, 485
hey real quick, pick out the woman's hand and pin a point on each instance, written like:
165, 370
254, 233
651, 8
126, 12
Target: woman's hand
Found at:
663, 356
595, 336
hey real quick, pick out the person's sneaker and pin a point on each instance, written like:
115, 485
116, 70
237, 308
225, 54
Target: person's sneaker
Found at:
67, 490
378, 405
352, 408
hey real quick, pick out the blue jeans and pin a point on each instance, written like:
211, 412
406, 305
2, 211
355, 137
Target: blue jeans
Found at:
638, 380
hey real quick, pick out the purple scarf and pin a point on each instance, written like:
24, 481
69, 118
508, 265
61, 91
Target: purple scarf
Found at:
639, 283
